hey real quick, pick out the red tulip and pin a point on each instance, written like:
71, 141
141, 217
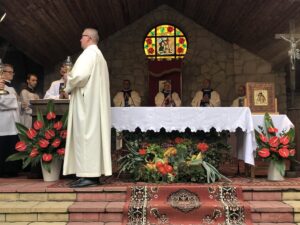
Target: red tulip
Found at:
31, 133
49, 134
56, 143
272, 130
263, 138
264, 153
60, 151
51, 115
21, 146
58, 125
38, 124
284, 152
34, 152
179, 140
284, 140
142, 151
274, 141
63, 134
203, 147
43, 143
292, 152
273, 149
47, 157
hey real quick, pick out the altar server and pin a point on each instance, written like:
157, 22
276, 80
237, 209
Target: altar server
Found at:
28, 93
9, 114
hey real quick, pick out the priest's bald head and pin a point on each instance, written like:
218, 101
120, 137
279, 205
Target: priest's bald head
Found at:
89, 37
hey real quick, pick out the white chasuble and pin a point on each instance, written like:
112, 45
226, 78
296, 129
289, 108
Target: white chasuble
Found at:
88, 150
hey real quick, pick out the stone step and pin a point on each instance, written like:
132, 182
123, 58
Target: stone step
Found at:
274, 211
96, 217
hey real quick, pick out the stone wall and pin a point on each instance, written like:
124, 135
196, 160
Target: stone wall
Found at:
208, 56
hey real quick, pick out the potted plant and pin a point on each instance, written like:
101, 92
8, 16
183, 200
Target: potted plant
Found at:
44, 142
275, 147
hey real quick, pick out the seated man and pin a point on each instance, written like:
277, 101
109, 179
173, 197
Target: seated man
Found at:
56, 90
207, 96
167, 97
28, 93
240, 100
127, 97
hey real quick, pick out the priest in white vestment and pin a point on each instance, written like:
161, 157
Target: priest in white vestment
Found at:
88, 150
9, 114
127, 97
167, 97
56, 90
207, 97
240, 100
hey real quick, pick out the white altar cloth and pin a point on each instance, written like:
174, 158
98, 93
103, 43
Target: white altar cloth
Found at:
179, 118
195, 118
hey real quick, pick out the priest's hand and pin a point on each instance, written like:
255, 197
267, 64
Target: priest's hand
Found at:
63, 95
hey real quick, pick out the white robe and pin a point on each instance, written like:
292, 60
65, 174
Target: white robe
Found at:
235, 102
134, 100
160, 98
26, 112
88, 150
214, 101
53, 91
9, 112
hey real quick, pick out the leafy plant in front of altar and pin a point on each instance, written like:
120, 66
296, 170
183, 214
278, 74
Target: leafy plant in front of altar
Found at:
44, 141
181, 160
274, 146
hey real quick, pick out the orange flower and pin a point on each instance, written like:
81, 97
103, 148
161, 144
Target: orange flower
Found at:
21, 146
47, 157
284, 152
263, 138
51, 115
264, 153
34, 152
142, 151
272, 130
31, 133
203, 147
274, 141
38, 124
284, 140
178, 140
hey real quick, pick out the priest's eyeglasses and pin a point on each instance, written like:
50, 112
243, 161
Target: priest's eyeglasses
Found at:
85, 35
11, 72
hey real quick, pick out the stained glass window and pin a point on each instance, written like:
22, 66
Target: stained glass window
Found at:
165, 42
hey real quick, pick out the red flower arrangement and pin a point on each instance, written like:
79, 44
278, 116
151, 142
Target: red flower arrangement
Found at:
44, 141
271, 146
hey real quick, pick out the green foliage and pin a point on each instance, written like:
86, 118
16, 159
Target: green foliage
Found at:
173, 160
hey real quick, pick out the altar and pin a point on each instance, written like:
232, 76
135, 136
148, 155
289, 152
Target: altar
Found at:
237, 120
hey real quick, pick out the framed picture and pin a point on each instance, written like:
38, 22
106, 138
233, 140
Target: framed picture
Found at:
261, 97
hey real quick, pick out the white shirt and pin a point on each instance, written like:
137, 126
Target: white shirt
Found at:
9, 112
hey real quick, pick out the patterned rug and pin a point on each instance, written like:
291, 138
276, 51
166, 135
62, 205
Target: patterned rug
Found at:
185, 205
